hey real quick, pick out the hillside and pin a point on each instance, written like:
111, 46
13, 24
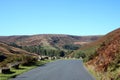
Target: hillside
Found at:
9, 50
103, 55
47, 39
10, 54
109, 52
90, 49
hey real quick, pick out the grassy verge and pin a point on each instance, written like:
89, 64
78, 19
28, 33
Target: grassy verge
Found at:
22, 69
95, 74
108, 75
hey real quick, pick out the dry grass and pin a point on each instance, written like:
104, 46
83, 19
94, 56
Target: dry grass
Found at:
109, 75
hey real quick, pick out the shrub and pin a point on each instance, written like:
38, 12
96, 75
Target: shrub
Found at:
28, 60
80, 54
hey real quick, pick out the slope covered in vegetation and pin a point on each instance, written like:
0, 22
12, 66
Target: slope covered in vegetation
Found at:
90, 49
9, 54
107, 58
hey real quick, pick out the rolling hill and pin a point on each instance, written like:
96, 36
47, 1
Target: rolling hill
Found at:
9, 54
47, 39
9, 50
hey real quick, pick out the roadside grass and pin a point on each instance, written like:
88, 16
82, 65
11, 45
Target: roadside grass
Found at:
109, 75
22, 69
95, 74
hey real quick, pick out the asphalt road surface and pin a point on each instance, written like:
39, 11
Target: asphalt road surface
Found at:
58, 70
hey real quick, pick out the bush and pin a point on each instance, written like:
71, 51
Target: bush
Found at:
61, 53
28, 60
80, 54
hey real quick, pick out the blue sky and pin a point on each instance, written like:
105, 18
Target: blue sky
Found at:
74, 17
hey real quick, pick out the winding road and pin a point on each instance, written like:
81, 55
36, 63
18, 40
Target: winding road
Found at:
58, 70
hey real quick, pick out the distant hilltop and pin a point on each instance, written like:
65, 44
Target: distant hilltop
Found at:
54, 40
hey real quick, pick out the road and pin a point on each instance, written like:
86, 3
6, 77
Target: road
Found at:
58, 70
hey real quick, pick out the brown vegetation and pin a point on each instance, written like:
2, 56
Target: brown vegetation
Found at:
9, 54
53, 40
108, 51
105, 62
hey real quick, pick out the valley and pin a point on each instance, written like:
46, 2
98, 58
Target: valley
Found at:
99, 53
